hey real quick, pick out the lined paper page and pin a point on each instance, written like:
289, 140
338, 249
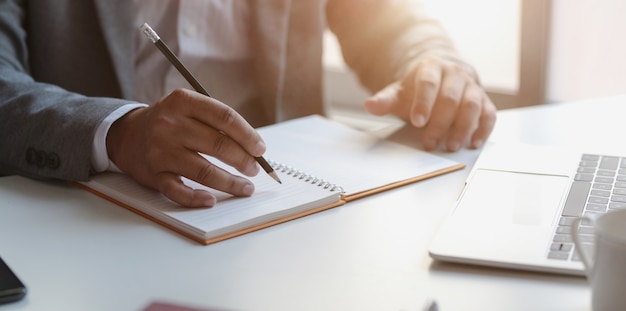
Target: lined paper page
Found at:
355, 160
270, 201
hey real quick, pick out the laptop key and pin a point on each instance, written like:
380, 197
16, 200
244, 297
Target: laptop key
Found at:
558, 255
606, 180
596, 207
609, 163
564, 229
590, 157
576, 199
586, 163
566, 221
620, 191
562, 238
605, 173
587, 170
561, 247
584, 177
601, 193
620, 184
619, 198
617, 205
598, 200
603, 186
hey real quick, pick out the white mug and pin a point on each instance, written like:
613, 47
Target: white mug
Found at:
605, 267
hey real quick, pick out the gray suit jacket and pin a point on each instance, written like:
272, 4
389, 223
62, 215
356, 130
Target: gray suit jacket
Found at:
65, 65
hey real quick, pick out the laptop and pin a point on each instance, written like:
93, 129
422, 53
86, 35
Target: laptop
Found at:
518, 204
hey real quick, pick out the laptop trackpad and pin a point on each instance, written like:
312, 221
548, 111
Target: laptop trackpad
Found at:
512, 198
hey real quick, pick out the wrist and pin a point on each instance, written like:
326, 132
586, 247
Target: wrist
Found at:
116, 136
100, 161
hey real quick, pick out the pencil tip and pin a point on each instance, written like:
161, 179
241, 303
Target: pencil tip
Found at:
275, 176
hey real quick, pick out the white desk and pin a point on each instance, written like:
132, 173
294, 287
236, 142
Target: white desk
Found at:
75, 251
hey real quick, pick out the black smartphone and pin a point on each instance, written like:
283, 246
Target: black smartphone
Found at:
11, 288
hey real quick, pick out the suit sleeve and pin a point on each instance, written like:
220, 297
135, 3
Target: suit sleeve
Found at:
47, 131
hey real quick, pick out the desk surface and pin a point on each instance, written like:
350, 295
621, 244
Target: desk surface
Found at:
75, 251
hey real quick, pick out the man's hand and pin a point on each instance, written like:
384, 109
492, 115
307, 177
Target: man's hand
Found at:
159, 144
444, 99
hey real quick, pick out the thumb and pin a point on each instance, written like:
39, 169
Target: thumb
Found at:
384, 101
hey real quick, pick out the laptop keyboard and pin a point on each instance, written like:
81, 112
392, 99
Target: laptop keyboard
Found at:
599, 186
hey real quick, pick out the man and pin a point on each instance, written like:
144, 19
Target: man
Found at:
76, 78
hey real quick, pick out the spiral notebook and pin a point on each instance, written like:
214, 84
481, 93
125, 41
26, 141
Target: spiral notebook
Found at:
322, 164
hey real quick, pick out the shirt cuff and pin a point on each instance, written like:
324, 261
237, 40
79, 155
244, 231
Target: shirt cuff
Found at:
99, 156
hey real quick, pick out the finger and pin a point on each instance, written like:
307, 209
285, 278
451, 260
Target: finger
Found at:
209, 141
231, 123
383, 101
485, 124
445, 109
173, 188
201, 170
223, 118
467, 118
424, 89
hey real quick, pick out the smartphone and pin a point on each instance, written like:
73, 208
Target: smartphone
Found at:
11, 288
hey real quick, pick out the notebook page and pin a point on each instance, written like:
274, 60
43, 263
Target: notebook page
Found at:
270, 201
355, 160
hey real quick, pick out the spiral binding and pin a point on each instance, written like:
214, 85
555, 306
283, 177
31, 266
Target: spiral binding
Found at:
290, 171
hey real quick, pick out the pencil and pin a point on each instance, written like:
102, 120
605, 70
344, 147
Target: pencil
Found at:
154, 37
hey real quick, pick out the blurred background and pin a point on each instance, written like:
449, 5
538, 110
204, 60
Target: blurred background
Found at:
527, 52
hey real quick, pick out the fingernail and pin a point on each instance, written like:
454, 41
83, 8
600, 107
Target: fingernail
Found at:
477, 144
374, 98
418, 120
260, 148
248, 189
375, 105
208, 202
254, 170
205, 202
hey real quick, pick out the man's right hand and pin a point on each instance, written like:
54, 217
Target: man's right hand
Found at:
158, 144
